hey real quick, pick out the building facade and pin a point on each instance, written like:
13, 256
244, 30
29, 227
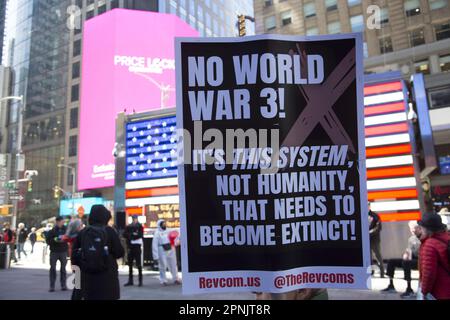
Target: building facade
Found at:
410, 36
45, 58
2, 26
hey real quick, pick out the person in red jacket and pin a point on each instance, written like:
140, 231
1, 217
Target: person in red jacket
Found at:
434, 263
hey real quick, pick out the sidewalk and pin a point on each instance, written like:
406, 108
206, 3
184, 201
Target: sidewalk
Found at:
29, 280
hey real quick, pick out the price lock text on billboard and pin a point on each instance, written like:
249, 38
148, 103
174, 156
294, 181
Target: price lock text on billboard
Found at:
272, 183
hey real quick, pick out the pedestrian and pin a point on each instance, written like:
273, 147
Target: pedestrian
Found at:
9, 239
434, 264
96, 249
409, 261
32, 237
134, 234
22, 235
73, 230
375, 239
58, 252
47, 229
164, 254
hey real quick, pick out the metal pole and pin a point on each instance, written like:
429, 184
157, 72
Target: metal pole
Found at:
19, 150
18, 157
73, 191
73, 172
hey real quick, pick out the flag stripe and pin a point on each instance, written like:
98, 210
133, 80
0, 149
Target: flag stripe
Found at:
386, 129
381, 206
151, 200
400, 216
389, 161
391, 183
390, 172
384, 108
388, 151
151, 183
382, 88
392, 194
385, 118
143, 193
383, 98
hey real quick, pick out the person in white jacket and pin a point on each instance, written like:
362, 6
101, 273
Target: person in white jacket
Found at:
164, 252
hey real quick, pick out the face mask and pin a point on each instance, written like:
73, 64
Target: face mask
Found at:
163, 227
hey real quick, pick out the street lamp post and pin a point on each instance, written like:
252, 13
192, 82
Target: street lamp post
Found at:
19, 150
73, 170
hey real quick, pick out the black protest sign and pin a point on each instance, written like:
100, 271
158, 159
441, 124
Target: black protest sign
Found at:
273, 177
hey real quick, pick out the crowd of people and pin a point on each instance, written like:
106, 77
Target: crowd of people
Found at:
94, 248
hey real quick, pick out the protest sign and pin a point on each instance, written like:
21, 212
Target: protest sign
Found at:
271, 163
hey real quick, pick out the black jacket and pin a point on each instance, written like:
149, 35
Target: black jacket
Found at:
133, 232
104, 285
53, 239
33, 237
22, 237
375, 226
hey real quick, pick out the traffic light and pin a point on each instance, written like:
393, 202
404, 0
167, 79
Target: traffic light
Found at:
241, 25
56, 192
30, 186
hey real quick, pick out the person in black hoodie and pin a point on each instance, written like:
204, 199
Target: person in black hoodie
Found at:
134, 234
102, 285
58, 251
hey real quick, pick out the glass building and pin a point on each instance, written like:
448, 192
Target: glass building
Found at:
2, 26
45, 57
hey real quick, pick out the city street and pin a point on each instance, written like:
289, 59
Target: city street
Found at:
29, 280
281, 149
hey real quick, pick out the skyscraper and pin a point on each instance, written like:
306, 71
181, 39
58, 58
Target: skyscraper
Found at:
2, 27
46, 65
412, 36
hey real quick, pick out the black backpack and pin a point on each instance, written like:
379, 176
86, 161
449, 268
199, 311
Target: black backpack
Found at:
94, 252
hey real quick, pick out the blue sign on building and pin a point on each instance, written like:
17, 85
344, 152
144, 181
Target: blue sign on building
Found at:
80, 206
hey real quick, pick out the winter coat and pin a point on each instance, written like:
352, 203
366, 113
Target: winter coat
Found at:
33, 237
434, 266
104, 285
375, 226
55, 240
8, 236
22, 237
133, 232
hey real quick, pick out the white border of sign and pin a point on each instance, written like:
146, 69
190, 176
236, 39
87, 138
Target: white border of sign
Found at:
362, 275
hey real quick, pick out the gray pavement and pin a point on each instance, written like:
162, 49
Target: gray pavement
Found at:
28, 280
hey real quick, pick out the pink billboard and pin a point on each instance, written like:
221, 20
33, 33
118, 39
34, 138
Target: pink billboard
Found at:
128, 64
